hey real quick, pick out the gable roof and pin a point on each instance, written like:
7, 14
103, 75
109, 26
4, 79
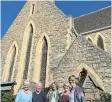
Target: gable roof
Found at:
94, 20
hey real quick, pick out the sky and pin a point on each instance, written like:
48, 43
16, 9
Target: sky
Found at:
10, 9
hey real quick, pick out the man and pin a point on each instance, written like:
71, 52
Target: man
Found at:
39, 96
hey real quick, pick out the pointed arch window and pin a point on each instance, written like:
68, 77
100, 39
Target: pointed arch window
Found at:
11, 64
100, 42
44, 61
89, 39
41, 69
89, 85
32, 10
28, 51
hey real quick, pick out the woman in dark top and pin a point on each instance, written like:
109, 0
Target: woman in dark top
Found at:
65, 94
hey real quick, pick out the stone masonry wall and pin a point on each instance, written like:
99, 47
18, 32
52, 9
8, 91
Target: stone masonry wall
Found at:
106, 34
51, 21
14, 33
47, 18
83, 51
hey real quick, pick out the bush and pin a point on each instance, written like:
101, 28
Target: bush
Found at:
105, 97
7, 97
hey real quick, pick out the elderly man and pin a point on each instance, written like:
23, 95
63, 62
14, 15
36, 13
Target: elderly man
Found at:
39, 96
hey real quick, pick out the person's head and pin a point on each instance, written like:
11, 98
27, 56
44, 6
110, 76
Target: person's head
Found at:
54, 86
26, 85
66, 87
73, 80
38, 86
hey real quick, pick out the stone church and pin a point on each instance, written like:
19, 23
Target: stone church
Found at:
45, 44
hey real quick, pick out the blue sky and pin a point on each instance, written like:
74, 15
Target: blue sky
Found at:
10, 9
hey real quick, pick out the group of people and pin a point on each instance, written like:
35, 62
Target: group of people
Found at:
71, 93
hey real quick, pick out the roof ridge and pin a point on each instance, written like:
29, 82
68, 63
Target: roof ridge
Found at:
92, 12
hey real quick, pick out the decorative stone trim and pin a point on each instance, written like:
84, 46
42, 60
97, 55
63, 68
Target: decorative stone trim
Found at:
7, 63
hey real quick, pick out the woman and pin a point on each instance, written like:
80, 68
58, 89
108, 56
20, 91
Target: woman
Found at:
76, 94
24, 95
65, 94
53, 95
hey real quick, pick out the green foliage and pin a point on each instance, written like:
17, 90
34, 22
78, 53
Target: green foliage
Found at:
7, 97
105, 97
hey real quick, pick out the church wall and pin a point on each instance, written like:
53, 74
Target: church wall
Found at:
53, 24
47, 20
83, 54
107, 38
14, 34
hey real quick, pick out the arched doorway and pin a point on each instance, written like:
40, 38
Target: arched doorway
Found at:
82, 76
90, 82
89, 86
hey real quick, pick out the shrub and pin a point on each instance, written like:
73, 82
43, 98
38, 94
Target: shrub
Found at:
105, 97
7, 97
